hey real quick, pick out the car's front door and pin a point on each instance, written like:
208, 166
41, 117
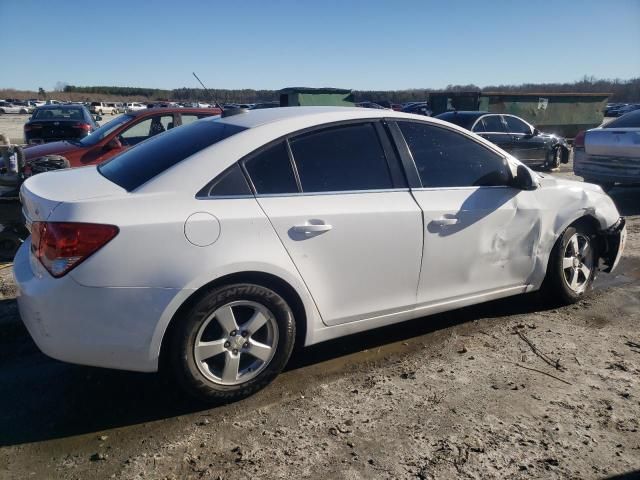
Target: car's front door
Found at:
480, 233
346, 218
526, 146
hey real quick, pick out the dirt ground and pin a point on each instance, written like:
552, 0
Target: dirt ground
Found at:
456, 395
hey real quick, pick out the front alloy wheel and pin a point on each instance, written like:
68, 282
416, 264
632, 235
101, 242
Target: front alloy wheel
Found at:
577, 263
232, 342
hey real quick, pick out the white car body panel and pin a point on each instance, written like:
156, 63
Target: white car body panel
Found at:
374, 267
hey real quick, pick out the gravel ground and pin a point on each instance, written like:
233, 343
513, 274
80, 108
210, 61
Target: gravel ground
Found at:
455, 395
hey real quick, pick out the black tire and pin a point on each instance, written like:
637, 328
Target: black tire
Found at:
181, 353
554, 158
100, 112
555, 288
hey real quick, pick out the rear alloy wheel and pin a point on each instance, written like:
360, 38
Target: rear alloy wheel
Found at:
572, 265
554, 158
234, 341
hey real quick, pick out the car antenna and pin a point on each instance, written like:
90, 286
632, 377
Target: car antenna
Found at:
208, 91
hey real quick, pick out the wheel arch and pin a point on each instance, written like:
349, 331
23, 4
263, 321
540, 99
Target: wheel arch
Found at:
268, 280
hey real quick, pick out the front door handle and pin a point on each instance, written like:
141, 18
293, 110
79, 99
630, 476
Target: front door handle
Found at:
442, 221
312, 228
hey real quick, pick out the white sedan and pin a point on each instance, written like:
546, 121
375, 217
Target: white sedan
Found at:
214, 248
7, 107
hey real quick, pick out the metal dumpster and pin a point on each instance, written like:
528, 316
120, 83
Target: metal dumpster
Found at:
305, 96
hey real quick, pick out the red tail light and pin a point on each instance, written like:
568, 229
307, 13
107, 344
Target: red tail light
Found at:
61, 246
83, 126
578, 142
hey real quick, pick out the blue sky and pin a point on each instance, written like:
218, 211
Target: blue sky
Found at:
353, 44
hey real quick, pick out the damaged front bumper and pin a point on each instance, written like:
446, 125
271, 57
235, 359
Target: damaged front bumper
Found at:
614, 238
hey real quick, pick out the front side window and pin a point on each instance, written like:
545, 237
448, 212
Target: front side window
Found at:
445, 158
270, 170
493, 124
515, 125
105, 130
190, 118
344, 158
145, 129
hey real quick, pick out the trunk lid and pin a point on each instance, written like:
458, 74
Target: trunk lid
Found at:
613, 142
56, 148
42, 193
55, 130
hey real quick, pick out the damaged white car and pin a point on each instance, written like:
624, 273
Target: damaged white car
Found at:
214, 248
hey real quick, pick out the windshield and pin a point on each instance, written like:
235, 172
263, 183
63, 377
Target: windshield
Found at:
105, 130
58, 114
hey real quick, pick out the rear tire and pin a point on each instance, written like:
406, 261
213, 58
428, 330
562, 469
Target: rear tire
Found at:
554, 158
233, 342
572, 266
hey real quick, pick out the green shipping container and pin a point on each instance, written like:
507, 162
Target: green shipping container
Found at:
306, 97
562, 113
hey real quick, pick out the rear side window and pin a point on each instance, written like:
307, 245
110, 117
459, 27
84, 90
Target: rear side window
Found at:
138, 165
449, 159
344, 158
493, 123
230, 183
271, 172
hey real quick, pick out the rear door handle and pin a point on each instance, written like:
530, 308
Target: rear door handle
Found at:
442, 221
312, 228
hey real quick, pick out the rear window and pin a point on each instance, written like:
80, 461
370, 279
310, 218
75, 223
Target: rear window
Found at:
138, 165
630, 120
58, 114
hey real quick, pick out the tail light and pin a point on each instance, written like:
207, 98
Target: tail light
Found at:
83, 126
578, 142
28, 127
62, 246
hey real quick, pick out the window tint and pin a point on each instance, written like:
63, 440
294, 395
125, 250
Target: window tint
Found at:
343, 158
138, 165
449, 159
270, 171
187, 119
229, 183
515, 125
492, 123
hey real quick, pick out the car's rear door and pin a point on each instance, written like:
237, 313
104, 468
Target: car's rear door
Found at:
480, 233
339, 203
493, 129
526, 146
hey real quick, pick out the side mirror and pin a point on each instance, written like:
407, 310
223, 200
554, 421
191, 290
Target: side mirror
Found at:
97, 118
524, 179
536, 132
113, 144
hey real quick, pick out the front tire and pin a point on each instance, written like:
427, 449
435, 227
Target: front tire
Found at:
572, 266
233, 342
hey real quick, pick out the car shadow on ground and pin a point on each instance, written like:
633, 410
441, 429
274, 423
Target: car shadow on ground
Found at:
44, 399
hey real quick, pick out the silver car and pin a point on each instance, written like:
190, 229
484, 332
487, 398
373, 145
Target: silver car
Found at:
610, 154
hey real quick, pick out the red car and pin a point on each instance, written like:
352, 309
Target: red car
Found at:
117, 135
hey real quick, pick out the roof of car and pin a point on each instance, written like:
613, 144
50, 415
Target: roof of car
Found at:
254, 118
147, 111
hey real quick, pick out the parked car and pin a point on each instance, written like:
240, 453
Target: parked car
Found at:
102, 108
116, 136
370, 105
260, 105
610, 154
418, 108
52, 123
515, 135
214, 248
627, 109
134, 107
7, 107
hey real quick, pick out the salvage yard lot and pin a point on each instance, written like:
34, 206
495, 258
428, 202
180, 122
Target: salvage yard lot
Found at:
465, 394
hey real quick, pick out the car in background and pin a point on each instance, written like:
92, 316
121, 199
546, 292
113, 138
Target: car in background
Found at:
370, 105
102, 108
8, 107
134, 106
514, 135
418, 108
114, 137
212, 250
51, 123
611, 110
627, 109
261, 105
610, 154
